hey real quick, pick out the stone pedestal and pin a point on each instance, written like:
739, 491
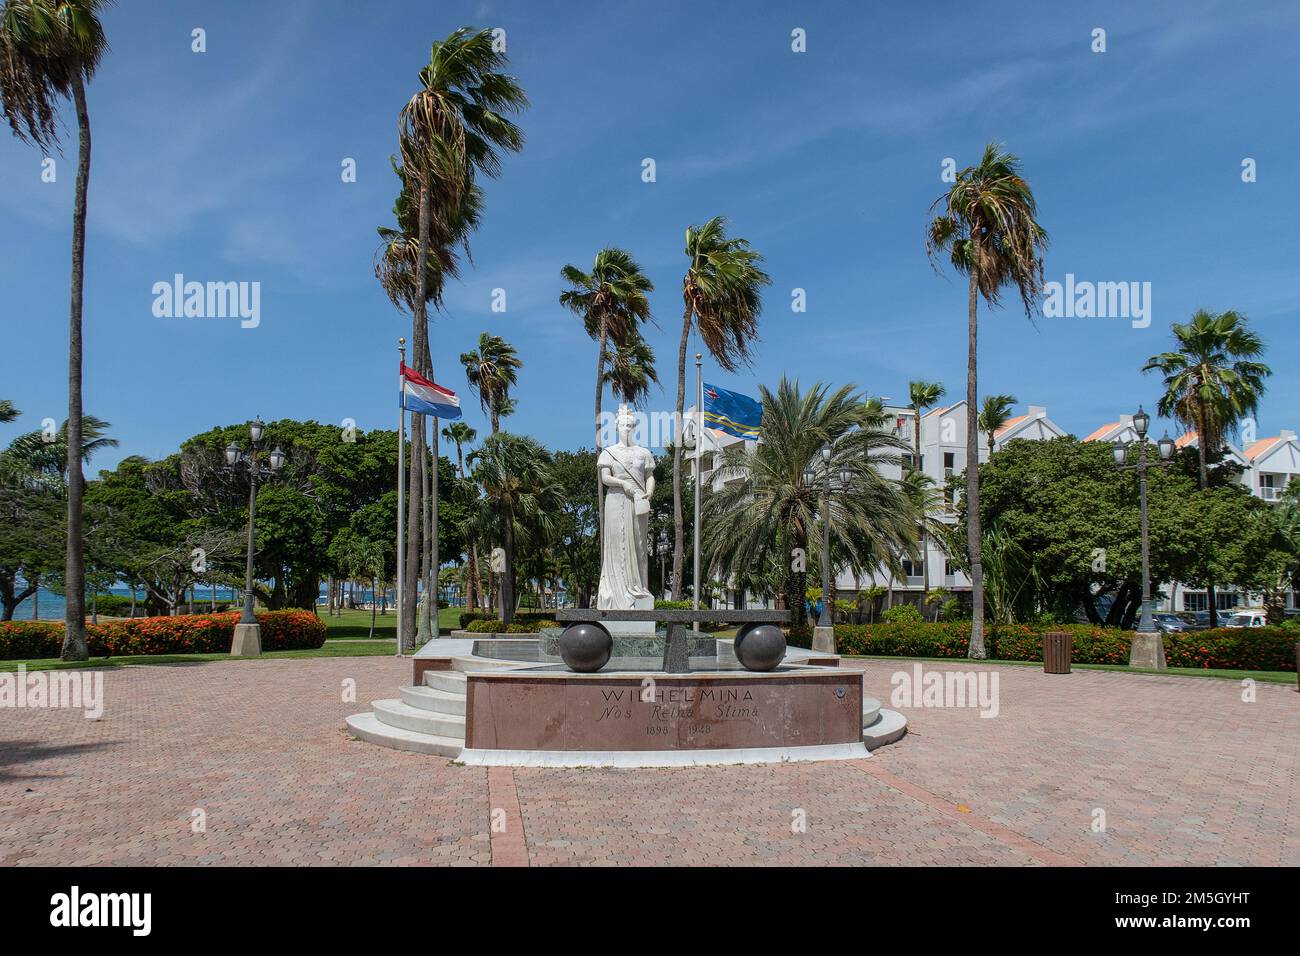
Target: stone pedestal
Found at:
248, 641
824, 640
634, 628
1148, 650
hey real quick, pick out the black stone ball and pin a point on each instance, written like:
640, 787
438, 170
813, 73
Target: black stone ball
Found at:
586, 647
760, 647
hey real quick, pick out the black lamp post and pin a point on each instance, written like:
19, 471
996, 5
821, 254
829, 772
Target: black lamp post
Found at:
826, 619
237, 458
1148, 647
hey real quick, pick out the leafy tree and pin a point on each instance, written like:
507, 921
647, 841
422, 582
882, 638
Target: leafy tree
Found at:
520, 498
721, 298
452, 129
492, 371
1211, 382
49, 50
771, 513
611, 299
989, 231
994, 413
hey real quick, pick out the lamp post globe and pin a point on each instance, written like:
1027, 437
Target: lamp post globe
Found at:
1140, 422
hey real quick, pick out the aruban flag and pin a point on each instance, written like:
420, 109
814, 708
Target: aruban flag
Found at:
423, 396
731, 412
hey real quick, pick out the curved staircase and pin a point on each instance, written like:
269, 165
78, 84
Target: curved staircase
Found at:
430, 718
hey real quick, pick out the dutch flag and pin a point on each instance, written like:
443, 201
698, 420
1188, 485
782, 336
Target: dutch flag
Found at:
423, 396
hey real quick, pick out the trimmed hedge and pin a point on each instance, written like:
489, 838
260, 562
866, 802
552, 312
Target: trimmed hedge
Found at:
496, 626
183, 634
469, 617
1258, 648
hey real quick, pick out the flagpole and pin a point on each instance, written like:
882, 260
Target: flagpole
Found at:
433, 535
401, 490
699, 478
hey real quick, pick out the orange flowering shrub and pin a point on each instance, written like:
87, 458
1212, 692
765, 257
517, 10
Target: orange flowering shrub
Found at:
183, 634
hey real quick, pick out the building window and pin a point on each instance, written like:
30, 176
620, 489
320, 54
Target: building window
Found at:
1269, 487
1195, 601
947, 568
1226, 602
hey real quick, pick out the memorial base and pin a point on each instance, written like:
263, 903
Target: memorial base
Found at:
247, 641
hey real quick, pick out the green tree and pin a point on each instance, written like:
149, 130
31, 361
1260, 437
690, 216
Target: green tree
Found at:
452, 129
519, 497
994, 413
612, 300
49, 50
631, 370
492, 371
721, 299
769, 516
988, 228
1211, 381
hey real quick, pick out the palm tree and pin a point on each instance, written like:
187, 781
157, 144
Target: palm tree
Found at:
37, 461
1211, 382
491, 370
462, 434
8, 412
612, 301
988, 228
994, 413
632, 370
519, 494
922, 395
49, 50
758, 521
722, 301
451, 129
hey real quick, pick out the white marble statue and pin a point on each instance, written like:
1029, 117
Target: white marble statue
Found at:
627, 477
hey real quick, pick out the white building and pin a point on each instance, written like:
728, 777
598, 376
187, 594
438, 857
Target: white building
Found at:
1268, 465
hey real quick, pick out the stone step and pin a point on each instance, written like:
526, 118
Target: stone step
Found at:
453, 682
888, 726
436, 701
870, 711
394, 713
367, 727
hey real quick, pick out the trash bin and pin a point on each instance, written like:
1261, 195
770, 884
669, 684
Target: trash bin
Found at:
1058, 648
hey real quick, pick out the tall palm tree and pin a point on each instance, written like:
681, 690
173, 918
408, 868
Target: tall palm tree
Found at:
631, 370
755, 523
721, 299
1211, 382
462, 434
994, 413
612, 300
519, 494
49, 50
922, 395
988, 228
452, 129
492, 371
8, 412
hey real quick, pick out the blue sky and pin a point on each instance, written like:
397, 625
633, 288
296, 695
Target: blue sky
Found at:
225, 166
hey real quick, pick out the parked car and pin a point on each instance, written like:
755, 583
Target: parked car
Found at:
1198, 620
1169, 623
1247, 619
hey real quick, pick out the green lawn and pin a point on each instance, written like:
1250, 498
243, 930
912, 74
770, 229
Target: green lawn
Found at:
1268, 677
350, 649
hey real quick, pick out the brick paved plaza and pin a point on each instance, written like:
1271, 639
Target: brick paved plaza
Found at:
1184, 770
